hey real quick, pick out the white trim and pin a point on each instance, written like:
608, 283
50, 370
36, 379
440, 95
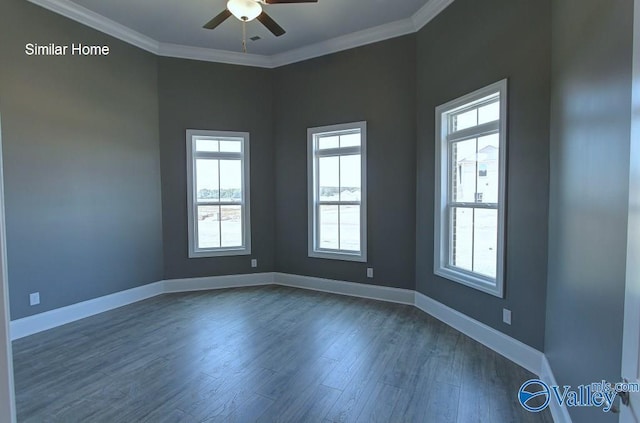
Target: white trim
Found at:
7, 391
100, 23
428, 12
192, 211
217, 282
630, 360
61, 316
560, 413
442, 229
352, 289
345, 42
213, 55
516, 351
312, 176
383, 32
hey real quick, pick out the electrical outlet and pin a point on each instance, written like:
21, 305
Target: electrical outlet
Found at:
369, 272
254, 262
34, 299
506, 316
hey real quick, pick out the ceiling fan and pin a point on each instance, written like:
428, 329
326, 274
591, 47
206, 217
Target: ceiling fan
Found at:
248, 10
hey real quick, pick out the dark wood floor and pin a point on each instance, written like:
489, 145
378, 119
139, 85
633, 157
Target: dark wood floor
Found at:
267, 354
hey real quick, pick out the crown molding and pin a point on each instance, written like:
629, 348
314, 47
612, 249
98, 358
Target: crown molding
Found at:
427, 12
387, 31
213, 55
98, 22
346, 42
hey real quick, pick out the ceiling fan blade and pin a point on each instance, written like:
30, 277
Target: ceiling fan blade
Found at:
270, 24
218, 19
289, 1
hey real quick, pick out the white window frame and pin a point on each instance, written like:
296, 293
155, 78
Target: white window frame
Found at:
192, 210
314, 202
493, 286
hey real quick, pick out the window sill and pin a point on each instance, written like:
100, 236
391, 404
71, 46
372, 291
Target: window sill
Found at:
338, 256
489, 287
220, 253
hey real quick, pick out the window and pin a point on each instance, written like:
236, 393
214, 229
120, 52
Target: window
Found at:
338, 192
470, 189
218, 193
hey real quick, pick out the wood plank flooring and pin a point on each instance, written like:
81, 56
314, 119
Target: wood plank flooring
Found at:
264, 354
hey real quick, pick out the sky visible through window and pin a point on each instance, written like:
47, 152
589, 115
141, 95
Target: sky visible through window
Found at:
219, 180
475, 170
339, 180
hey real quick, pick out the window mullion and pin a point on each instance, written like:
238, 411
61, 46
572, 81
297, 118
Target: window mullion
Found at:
340, 199
473, 240
229, 203
473, 205
475, 174
202, 242
339, 151
317, 222
465, 248
214, 155
219, 207
341, 250
474, 132
340, 203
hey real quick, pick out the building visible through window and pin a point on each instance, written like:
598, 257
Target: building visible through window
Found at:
470, 189
218, 193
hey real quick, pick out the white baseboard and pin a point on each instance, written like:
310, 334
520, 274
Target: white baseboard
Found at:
50, 319
516, 351
560, 413
527, 357
217, 282
61, 316
375, 292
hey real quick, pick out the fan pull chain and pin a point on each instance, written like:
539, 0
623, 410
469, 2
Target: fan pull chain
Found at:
244, 36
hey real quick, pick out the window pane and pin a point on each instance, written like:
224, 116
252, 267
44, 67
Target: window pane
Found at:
463, 166
230, 146
207, 188
350, 140
350, 228
350, 178
230, 180
329, 178
328, 225
231, 225
464, 120
206, 145
489, 113
208, 227
462, 238
485, 235
488, 167
328, 142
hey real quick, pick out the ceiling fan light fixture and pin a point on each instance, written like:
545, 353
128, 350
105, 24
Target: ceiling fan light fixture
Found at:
245, 10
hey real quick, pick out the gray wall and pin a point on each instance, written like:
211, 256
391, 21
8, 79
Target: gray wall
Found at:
590, 130
468, 46
375, 83
212, 96
81, 163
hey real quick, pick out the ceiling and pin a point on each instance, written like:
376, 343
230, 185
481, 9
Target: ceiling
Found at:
174, 28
